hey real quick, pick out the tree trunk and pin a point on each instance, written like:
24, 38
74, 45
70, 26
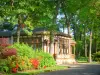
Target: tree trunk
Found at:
68, 27
18, 35
85, 49
51, 31
95, 43
63, 28
12, 4
67, 22
90, 58
85, 44
80, 36
74, 28
18, 28
51, 43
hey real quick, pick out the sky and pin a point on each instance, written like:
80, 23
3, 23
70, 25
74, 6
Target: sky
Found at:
61, 29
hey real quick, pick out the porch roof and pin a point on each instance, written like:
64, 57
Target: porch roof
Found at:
5, 33
63, 34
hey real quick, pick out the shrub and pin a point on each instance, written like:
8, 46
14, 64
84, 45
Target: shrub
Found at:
7, 64
24, 63
4, 45
45, 59
96, 56
15, 63
22, 57
2, 49
8, 52
3, 65
24, 50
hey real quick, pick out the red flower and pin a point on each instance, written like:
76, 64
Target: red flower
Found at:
14, 70
17, 66
23, 62
44, 67
35, 63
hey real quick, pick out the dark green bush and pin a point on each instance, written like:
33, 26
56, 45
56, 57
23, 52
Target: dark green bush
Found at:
96, 56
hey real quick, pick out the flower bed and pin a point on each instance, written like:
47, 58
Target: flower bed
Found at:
21, 57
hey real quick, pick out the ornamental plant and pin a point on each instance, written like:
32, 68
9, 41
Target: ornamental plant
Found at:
14, 70
44, 67
3, 66
24, 50
21, 57
7, 64
8, 52
35, 63
24, 63
3, 48
45, 59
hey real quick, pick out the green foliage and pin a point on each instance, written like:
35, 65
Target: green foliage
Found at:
96, 56
3, 65
18, 62
79, 48
82, 59
7, 64
24, 50
45, 59
26, 59
24, 63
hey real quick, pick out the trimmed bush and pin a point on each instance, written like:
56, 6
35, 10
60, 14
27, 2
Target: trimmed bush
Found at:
9, 52
5, 52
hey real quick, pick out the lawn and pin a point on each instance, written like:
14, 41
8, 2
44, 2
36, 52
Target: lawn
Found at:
35, 72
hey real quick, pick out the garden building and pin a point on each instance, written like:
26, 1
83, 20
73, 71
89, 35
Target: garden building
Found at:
63, 47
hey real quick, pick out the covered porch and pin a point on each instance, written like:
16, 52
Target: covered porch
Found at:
63, 49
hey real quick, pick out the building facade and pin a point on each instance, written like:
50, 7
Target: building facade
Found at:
63, 46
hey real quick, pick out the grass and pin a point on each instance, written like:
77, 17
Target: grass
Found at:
85, 60
35, 72
94, 62
82, 60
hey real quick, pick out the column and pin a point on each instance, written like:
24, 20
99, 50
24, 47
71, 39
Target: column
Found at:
69, 46
74, 49
11, 40
42, 42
